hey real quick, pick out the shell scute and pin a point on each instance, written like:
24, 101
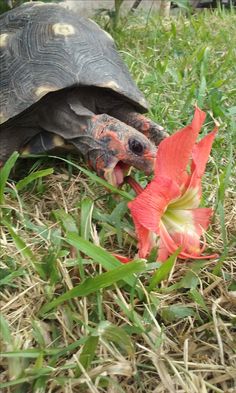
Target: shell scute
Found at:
46, 47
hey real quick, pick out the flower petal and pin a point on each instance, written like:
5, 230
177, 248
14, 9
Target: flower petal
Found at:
146, 239
167, 244
148, 207
174, 152
173, 242
178, 220
200, 154
174, 235
190, 199
121, 258
202, 218
163, 251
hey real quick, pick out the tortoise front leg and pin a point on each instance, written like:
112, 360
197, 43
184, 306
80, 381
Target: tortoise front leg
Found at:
154, 132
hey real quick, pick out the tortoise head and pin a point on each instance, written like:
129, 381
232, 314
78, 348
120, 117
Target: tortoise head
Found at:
117, 148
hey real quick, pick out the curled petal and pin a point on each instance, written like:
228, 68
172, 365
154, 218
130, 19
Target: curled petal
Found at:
146, 239
189, 241
200, 156
193, 185
174, 152
201, 152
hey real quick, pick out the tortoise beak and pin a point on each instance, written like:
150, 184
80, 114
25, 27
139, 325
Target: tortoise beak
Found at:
115, 175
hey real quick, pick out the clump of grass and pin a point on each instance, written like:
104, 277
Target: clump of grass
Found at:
75, 320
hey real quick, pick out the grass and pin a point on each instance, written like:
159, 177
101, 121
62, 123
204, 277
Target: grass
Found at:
75, 320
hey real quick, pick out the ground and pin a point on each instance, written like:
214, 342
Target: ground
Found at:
111, 331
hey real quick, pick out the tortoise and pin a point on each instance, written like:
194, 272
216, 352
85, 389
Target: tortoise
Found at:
64, 84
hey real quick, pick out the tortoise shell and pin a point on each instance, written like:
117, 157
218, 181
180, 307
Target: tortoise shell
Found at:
45, 47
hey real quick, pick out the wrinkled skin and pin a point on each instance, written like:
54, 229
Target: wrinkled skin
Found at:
107, 131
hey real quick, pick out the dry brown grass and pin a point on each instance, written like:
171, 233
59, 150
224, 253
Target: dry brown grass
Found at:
192, 354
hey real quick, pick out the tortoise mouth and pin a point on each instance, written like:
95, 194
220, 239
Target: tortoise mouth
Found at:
115, 175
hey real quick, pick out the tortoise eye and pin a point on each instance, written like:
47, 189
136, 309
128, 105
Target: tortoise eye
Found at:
135, 146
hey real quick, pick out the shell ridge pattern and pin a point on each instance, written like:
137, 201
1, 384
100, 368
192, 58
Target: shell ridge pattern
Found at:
51, 48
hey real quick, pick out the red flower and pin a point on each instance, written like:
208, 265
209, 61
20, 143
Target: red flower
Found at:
166, 213
121, 258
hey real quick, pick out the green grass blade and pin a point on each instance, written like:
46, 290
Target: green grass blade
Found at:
203, 82
4, 174
33, 176
117, 335
17, 381
196, 296
9, 278
163, 271
97, 179
22, 247
86, 211
5, 331
26, 353
98, 254
88, 353
217, 268
176, 312
66, 220
91, 285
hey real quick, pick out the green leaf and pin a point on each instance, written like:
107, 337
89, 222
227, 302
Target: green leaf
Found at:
33, 176
61, 352
116, 219
163, 271
17, 381
24, 249
190, 280
86, 212
174, 312
223, 227
49, 266
116, 334
38, 332
40, 385
5, 330
5, 172
225, 177
9, 277
88, 353
30, 353
91, 285
98, 254
66, 220
196, 296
